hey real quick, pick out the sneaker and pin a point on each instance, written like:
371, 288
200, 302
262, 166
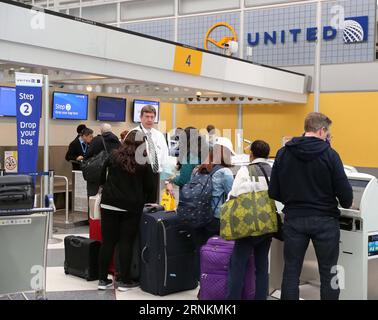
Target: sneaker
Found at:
124, 286
105, 284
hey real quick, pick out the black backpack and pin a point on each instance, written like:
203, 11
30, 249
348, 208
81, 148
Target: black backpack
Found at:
92, 167
195, 200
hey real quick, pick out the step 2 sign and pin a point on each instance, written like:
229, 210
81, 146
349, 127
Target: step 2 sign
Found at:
28, 102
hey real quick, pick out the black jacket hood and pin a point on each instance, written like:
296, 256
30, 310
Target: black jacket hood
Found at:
307, 148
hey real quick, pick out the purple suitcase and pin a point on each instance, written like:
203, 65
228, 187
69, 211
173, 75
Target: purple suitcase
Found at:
215, 257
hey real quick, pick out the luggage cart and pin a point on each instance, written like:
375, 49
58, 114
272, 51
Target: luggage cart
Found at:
24, 238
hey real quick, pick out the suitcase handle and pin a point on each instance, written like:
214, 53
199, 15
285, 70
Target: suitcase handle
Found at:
75, 242
142, 255
11, 197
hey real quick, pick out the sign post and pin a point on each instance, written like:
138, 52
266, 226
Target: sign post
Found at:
29, 104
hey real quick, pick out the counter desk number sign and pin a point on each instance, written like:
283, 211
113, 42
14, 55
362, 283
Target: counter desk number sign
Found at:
187, 60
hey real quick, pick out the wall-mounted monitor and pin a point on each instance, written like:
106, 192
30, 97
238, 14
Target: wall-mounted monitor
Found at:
8, 102
139, 104
110, 109
69, 106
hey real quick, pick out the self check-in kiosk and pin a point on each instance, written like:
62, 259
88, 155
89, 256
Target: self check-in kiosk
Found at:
357, 269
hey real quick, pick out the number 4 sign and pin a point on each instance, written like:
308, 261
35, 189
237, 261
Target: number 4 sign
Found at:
187, 60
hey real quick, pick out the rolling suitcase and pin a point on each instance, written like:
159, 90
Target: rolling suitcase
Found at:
168, 253
215, 258
81, 257
16, 192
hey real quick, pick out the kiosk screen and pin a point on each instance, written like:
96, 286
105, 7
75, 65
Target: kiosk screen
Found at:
373, 245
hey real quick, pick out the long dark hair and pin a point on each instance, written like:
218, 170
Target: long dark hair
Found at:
193, 138
125, 156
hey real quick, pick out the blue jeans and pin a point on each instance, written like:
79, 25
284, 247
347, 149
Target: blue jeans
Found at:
238, 265
324, 231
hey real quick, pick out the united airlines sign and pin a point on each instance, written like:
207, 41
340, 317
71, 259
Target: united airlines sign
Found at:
355, 30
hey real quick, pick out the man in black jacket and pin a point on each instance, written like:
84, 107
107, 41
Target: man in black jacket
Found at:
79, 146
111, 142
308, 178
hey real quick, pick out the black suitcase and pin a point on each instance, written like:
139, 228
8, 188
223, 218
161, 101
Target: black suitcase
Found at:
16, 192
168, 254
81, 257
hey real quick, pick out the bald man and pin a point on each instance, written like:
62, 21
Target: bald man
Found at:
97, 145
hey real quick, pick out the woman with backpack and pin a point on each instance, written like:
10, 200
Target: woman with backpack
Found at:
218, 166
259, 245
127, 186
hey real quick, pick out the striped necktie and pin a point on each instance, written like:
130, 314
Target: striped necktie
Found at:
152, 153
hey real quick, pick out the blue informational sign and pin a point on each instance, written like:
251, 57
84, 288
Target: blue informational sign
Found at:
70, 106
111, 109
7, 102
28, 107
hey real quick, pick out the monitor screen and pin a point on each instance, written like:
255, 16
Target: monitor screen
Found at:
373, 245
358, 187
8, 102
139, 104
72, 106
110, 109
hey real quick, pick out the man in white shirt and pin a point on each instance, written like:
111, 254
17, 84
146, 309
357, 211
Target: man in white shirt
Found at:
157, 148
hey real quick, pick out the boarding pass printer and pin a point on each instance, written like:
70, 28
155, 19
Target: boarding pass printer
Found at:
358, 258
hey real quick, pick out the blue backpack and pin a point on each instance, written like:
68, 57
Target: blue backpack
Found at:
194, 206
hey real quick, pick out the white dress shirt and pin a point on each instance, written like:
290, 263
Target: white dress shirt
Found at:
160, 143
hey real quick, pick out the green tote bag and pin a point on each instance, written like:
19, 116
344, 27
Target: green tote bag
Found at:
250, 214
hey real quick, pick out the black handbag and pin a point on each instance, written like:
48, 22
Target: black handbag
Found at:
92, 167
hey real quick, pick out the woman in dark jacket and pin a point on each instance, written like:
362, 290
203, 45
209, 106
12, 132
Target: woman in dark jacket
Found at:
127, 186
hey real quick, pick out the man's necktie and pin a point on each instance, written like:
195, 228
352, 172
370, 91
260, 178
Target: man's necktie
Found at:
152, 152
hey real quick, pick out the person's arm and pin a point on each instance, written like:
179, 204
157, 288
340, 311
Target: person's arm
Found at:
227, 181
164, 150
274, 183
343, 189
71, 154
185, 175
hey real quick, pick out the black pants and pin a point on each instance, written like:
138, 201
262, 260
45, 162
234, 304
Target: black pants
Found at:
238, 266
118, 228
324, 232
201, 235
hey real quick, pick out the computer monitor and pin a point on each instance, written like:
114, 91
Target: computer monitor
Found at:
70, 106
139, 104
8, 101
110, 109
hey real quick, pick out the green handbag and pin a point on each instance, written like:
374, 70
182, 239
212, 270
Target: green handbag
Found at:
250, 214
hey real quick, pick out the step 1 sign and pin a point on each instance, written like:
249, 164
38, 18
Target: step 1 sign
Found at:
28, 102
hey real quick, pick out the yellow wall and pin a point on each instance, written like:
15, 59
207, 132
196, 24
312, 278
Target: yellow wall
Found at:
223, 117
354, 129
273, 122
